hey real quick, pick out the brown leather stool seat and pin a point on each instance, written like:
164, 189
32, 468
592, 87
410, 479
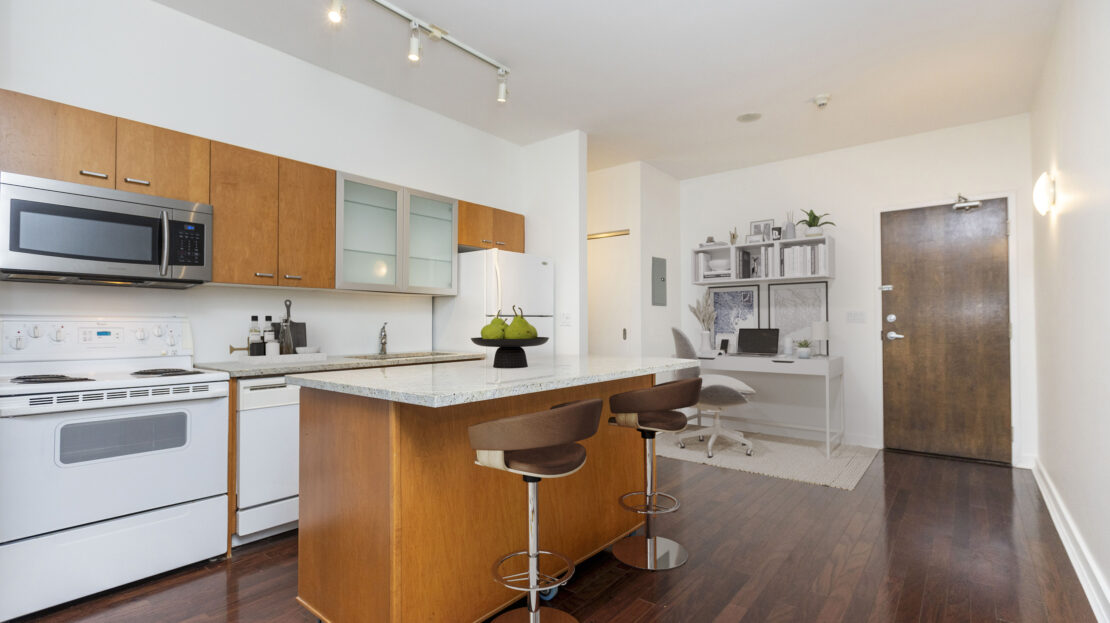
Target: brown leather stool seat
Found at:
550, 461
657, 421
536, 446
653, 410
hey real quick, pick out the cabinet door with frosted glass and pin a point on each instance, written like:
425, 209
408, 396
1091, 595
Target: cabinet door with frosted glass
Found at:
369, 219
431, 243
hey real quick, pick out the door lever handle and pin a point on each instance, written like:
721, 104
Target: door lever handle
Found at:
892, 335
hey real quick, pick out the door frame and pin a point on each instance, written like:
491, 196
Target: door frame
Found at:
1022, 416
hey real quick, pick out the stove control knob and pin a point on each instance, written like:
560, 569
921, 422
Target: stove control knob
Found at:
171, 340
140, 334
58, 335
19, 343
35, 332
157, 331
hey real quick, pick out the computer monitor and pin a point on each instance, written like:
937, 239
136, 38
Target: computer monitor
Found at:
757, 342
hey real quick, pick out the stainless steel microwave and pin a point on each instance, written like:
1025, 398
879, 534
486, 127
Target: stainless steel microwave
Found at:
61, 232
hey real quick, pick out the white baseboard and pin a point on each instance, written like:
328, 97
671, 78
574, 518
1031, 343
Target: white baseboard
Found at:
1090, 576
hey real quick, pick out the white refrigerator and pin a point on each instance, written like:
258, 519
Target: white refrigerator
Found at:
491, 280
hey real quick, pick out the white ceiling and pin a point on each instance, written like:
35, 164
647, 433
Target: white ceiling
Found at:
663, 81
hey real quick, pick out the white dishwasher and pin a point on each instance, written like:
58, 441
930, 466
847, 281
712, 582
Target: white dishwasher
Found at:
269, 447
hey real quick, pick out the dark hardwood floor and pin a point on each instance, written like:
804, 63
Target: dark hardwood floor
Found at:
920, 539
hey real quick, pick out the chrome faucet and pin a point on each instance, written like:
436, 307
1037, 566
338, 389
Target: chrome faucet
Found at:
383, 338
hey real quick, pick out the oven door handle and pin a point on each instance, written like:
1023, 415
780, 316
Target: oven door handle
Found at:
165, 265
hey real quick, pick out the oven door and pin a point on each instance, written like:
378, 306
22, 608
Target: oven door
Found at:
68, 469
49, 231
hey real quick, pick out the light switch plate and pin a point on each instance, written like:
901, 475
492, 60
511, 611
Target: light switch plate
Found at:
565, 319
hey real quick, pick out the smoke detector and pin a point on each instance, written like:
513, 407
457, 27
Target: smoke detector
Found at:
821, 100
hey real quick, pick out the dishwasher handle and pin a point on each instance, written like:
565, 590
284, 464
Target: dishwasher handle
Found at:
266, 392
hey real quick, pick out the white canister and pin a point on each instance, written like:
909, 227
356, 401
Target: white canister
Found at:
273, 348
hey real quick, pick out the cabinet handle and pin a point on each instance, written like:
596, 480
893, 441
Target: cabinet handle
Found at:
489, 241
500, 243
264, 275
102, 176
293, 277
132, 180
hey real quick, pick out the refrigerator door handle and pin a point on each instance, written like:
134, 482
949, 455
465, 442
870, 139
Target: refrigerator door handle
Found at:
497, 273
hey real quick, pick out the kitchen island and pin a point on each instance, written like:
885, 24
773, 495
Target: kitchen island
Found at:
397, 523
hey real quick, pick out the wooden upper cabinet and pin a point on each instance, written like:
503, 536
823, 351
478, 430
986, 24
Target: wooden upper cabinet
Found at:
244, 199
306, 225
46, 139
508, 230
475, 225
489, 228
157, 161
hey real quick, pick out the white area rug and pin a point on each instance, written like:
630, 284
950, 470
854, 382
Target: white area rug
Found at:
781, 457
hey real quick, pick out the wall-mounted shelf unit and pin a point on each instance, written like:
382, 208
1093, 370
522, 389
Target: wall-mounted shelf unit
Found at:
778, 261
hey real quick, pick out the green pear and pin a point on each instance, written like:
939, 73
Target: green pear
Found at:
520, 329
494, 331
498, 320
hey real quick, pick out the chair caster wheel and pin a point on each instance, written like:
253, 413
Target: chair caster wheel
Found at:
749, 452
708, 455
681, 445
701, 438
549, 594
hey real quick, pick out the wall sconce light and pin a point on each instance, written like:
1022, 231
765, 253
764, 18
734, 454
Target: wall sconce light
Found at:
1044, 194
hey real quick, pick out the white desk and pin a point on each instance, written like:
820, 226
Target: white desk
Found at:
830, 368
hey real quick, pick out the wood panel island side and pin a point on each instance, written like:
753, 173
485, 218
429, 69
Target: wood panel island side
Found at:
397, 523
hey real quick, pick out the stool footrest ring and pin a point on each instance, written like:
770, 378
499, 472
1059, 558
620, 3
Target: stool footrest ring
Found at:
652, 507
544, 581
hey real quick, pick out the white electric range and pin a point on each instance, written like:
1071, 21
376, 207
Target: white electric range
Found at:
113, 456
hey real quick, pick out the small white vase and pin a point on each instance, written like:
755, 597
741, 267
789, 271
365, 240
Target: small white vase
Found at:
706, 342
789, 231
812, 232
804, 353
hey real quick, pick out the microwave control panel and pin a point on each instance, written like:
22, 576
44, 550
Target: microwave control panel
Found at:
186, 244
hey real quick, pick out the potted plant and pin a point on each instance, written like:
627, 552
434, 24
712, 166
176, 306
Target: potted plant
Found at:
706, 316
814, 223
803, 351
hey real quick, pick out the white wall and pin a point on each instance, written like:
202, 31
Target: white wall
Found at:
554, 202
981, 160
1071, 139
638, 197
143, 61
614, 198
659, 221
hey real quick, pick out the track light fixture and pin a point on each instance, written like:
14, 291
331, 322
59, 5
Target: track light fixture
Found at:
336, 12
416, 25
414, 43
502, 85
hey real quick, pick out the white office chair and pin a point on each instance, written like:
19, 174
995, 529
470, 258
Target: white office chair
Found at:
717, 392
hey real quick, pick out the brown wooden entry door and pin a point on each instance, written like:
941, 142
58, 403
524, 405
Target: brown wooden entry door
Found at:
946, 383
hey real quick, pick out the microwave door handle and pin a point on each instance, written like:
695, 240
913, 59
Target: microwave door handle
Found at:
165, 265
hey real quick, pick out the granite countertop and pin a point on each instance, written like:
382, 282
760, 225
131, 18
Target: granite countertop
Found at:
474, 381
243, 368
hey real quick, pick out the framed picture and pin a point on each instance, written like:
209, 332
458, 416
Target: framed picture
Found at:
762, 228
776, 233
794, 307
737, 308
753, 238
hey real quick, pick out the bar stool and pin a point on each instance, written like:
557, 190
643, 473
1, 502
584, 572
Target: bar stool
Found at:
650, 411
536, 446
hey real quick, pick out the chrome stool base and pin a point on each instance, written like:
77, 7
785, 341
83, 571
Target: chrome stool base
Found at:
545, 615
653, 507
654, 554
